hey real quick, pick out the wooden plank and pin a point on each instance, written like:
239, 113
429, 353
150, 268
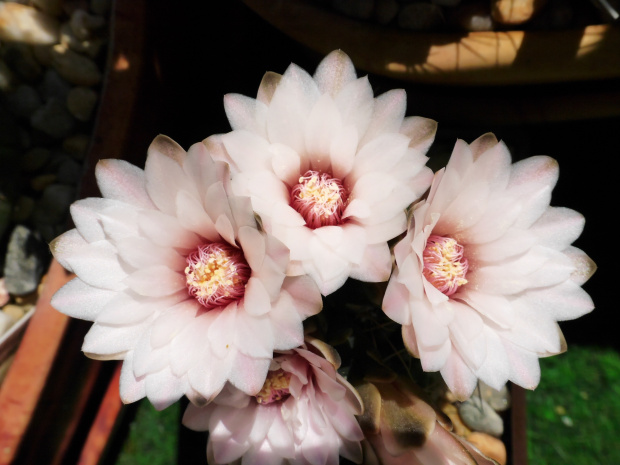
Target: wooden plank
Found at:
26, 379
104, 424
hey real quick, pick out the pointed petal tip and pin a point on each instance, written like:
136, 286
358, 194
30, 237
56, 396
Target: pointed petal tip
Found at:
268, 86
165, 145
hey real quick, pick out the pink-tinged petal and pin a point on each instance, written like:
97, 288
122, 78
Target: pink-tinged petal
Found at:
290, 106
324, 122
248, 373
190, 348
288, 330
334, 72
558, 227
164, 173
85, 215
496, 308
458, 376
253, 244
285, 163
66, 245
141, 253
222, 331
584, 266
342, 151
271, 275
434, 358
256, 300
166, 231
357, 208
396, 302
193, 217
514, 242
306, 296
254, 336
225, 229
495, 370
268, 86
156, 281
375, 266
119, 180
147, 359
202, 170
524, 366
172, 321
105, 342
387, 115
245, 113
420, 130
131, 389
467, 336
281, 438
125, 309
216, 202
210, 377
79, 300
565, 301
436, 333
197, 418
532, 180
380, 154
163, 388
97, 264
386, 230
247, 150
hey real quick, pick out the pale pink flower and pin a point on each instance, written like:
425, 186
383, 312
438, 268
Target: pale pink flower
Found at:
486, 270
329, 168
178, 279
4, 294
401, 429
305, 414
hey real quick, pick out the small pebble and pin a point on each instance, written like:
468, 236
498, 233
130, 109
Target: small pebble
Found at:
39, 183
5, 322
84, 24
479, 416
75, 68
360, 9
22, 209
24, 101
385, 11
81, 103
498, 400
489, 446
16, 312
420, 17
54, 86
76, 145
35, 159
53, 119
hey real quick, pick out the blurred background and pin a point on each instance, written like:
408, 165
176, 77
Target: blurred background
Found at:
547, 85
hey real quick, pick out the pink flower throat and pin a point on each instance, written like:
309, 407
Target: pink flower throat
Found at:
445, 267
276, 387
319, 199
216, 274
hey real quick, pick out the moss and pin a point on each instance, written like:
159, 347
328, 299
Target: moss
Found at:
574, 414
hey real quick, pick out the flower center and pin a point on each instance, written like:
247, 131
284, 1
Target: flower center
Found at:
216, 274
444, 265
275, 387
319, 199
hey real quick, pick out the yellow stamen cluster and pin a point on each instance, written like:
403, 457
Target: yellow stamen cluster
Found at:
216, 275
445, 266
275, 387
320, 199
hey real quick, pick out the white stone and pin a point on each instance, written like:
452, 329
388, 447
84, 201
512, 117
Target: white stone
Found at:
21, 23
75, 68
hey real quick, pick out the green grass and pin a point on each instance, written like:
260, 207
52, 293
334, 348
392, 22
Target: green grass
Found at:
574, 414
152, 438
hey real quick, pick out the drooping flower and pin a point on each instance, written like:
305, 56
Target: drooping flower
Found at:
487, 270
329, 169
304, 414
402, 429
178, 279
